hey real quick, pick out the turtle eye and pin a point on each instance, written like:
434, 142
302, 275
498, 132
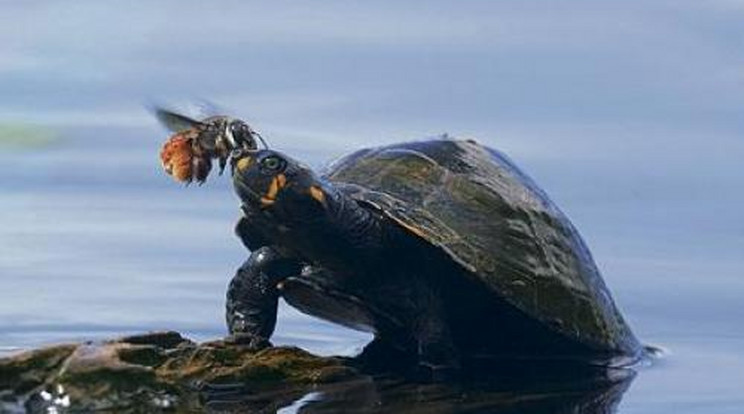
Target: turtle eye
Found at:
273, 164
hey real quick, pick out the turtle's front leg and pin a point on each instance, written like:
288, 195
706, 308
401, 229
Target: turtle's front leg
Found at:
252, 296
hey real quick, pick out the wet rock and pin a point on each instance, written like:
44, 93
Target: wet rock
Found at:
153, 371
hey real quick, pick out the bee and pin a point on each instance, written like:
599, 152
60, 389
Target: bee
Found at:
187, 154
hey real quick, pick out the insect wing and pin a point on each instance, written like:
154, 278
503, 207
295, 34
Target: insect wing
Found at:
175, 122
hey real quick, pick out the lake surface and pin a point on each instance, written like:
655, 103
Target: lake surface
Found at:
628, 115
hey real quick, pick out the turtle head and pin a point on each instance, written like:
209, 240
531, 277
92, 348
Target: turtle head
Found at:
270, 182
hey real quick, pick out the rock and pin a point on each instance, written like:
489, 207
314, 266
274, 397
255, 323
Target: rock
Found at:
158, 370
163, 371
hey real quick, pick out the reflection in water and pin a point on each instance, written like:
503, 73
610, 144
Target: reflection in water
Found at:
311, 397
558, 391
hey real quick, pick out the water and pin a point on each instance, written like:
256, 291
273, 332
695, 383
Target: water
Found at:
626, 113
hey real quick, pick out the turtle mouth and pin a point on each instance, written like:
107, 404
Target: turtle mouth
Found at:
247, 194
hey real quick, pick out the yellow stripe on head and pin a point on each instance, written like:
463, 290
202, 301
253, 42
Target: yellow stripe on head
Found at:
317, 193
277, 183
273, 189
244, 163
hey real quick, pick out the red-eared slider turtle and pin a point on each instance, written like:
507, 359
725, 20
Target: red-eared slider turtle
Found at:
443, 249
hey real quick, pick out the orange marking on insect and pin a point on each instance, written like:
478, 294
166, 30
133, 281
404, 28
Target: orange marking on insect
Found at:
176, 156
266, 202
318, 194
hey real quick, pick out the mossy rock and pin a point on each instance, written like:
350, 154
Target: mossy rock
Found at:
24, 372
155, 371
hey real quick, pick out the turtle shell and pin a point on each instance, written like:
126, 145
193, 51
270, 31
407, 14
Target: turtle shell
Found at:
476, 205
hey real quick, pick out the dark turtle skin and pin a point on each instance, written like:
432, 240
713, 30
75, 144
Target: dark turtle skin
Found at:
443, 249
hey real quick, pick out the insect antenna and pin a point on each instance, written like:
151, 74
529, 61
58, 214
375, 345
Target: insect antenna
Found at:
260, 138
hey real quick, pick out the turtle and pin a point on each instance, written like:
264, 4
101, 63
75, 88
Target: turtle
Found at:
443, 249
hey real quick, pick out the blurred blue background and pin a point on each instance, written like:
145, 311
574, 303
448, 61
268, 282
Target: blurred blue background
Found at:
629, 114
